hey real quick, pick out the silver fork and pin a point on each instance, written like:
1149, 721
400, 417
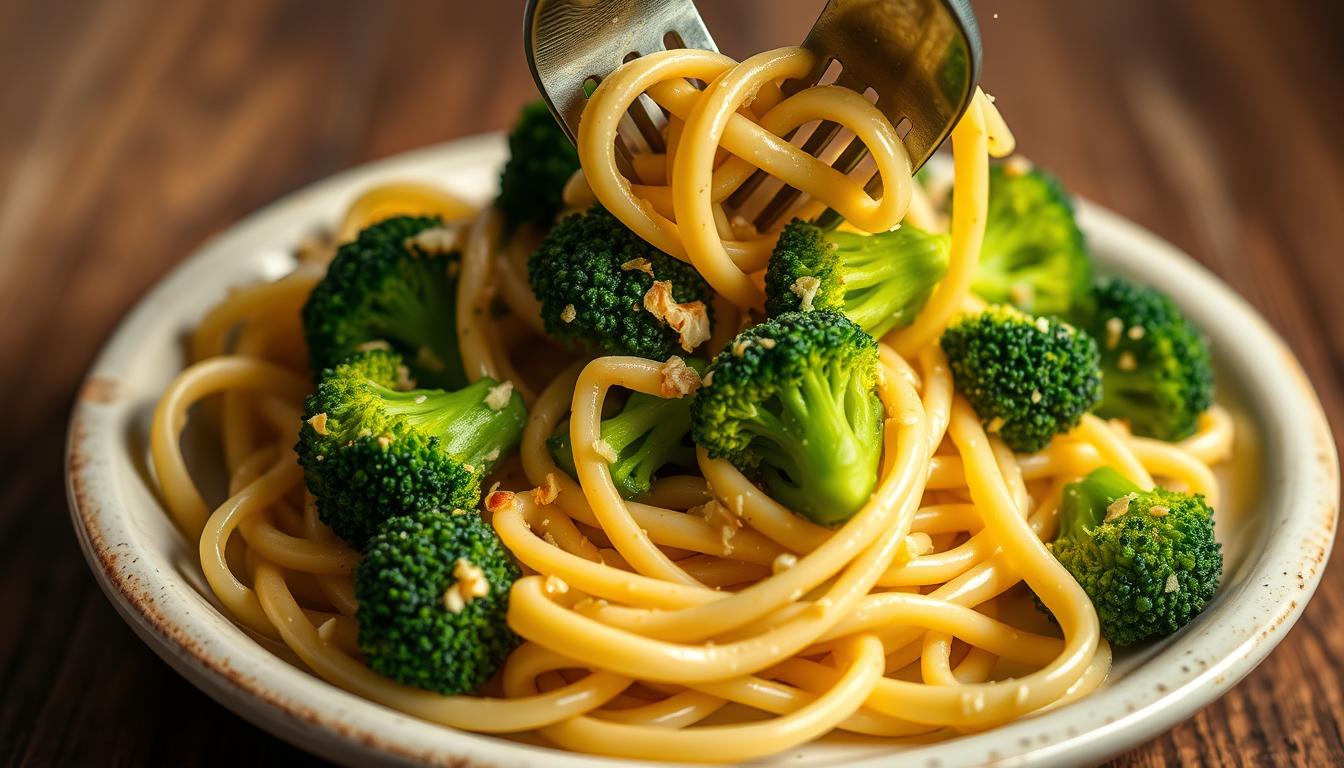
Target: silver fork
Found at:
919, 58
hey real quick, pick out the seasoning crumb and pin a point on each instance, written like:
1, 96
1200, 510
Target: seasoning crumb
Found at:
604, 449
546, 492
677, 378
499, 396
805, 288
1119, 507
690, 320
568, 314
639, 265
471, 583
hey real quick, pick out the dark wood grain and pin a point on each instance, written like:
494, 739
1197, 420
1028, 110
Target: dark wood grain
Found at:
131, 131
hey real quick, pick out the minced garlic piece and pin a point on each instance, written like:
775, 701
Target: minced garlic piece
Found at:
1157, 510
1126, 362
1042, 325
434, 240
690, 321
546, 492
740, 347
499, 396
493, 455
471, 583
805, 288
718, 515
421, 399
783, 562
678, 378
726, 534
640, 265
765, 342
1173, 584
995, 425
319, 423
1114, 327
1136, 332
369, 346
604, 449
568, 314
708, 378
554, 585
1035, 395
384, 440
497, 501
1119, 507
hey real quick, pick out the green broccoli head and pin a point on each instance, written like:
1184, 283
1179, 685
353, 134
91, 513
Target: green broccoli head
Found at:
388, 288
433, 592
541, 160
1147, 559
596, 282
1157, 371
878, 281
1028, 378
371, 450
649, 433
792, 401
1033, 256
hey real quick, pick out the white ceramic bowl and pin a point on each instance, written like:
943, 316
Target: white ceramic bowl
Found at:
1277, 523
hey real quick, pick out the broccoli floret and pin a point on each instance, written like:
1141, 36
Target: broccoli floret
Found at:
1147, 559
792, 402
648, 434
1028, 378
370, 451
1033, 256
878, 281
595, 280
541, 160
433, 591
384, 288
1157, 371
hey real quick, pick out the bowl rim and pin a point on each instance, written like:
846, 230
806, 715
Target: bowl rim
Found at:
1222, 646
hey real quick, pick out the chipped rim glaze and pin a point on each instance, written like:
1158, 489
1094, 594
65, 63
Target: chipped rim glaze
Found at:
147, 570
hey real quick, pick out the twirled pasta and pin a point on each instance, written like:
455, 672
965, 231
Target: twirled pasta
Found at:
642, 619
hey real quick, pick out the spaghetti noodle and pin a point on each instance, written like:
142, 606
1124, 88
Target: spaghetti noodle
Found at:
669, 626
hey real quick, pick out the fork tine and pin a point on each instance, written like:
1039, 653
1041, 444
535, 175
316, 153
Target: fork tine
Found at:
568, 41
820, 139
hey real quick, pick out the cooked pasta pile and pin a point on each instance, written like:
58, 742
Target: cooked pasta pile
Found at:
704, 621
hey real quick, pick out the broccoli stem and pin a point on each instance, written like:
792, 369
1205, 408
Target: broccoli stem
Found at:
888, 276
467, 428
1084, 504
820, 455
646, 435
419, 314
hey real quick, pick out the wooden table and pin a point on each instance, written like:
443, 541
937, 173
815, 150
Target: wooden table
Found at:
131, 131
